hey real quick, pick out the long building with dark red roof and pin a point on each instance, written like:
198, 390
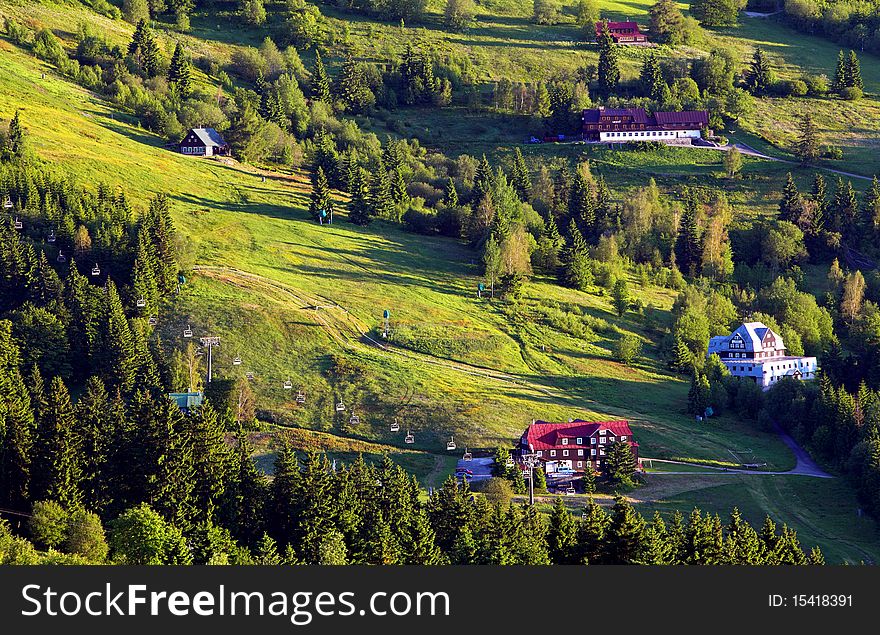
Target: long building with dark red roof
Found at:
572, 446
623, 32
626, 125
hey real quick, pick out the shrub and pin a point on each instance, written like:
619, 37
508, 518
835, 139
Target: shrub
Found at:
832, 152
17, 33
817, 85
851, 93
48, 47
627, 348
796, 87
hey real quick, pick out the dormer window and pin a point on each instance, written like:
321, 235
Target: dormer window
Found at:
737, 342
564, 441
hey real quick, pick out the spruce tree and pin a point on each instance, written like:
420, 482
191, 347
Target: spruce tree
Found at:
591, 535
577, 273
380, 200
699, 394
246, 497
313, 509
620, 297
853, 72
791, 205
212, 459
759, 76
95, 428
482, 181
625, 542
16, 426
450, 197
840, 78
651, 79
807, 147
150, 55
688, 248
450, 512
180, 71
608, 69
845, 208
58, 459
359, 207
658, 550
561, 535
520, 176
169, 464
15, 137
321, 205
320, 80
419, 545
871, 208
741, 544
620, 464
819, 195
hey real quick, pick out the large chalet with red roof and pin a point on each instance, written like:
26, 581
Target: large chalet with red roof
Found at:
571, 447
627, 125
623, 32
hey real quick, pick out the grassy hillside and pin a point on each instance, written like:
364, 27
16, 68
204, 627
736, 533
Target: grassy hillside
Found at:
456, 365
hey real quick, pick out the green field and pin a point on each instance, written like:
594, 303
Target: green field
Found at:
455, 365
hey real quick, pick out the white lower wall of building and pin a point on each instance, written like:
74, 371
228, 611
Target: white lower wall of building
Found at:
625, 136
767, 373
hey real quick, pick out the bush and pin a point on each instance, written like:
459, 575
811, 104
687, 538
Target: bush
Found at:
17, 33
627, 348
48, 524
796, 87
48, 47
420, 221
817, 85
832, 152
852, 93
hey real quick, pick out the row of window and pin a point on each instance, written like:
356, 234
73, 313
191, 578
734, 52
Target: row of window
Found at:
579, 452
650, 133
191, 150
602, 439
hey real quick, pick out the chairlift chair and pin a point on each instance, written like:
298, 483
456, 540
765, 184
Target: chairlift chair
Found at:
153, 321
51, 237
141, 302
187, 332
249, 375
509, 462
395, 427
288, 385
570, 489
450, 445
354, 420
467, 455
236, 361
96, 270
61, 257
340, 407
300, 397
7, 203
18, 223
409, 438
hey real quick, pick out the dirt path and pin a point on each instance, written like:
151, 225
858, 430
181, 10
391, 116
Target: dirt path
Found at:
751, 152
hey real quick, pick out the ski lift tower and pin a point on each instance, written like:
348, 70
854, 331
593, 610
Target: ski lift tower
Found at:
209, 343
530, 461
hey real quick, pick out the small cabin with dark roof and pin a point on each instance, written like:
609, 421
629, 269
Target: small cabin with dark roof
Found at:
203, 142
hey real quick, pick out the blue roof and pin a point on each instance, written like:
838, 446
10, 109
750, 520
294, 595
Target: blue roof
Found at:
187, 400
209, 137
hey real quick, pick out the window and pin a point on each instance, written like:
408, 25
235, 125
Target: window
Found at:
580, 440
623, 437
593, 441
552, 452
593, 452
580, 452
540, 453
565, 453
580, 463
564, 441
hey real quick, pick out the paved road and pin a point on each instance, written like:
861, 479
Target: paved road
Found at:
750, 151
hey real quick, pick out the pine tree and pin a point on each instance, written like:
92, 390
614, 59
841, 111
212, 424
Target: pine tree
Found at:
759, 76
840, 79
688, 247
212, 460
320, 81
592, 534
845, 208
482, 181
609, 69
16, 426
321, 205
871, 208
853, 72
117, 348
95, 428
699, 394
180, 71
57, 459
807, 147
819, 195
520, 176
651, 79
561, 535
380, 201
150, 54
578, 273
791, 205
450, 198
620, 464
15, 137
625, 542
313, 510
359, 207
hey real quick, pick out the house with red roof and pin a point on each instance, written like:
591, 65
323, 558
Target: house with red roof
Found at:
626, 125
573, 446
623, 32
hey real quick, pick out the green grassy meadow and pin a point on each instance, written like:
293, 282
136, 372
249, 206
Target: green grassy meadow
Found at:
455, 364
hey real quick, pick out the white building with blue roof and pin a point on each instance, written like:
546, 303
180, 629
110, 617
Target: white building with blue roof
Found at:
756, 351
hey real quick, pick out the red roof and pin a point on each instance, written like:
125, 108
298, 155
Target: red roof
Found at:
542, 435
682, 116
629, 26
